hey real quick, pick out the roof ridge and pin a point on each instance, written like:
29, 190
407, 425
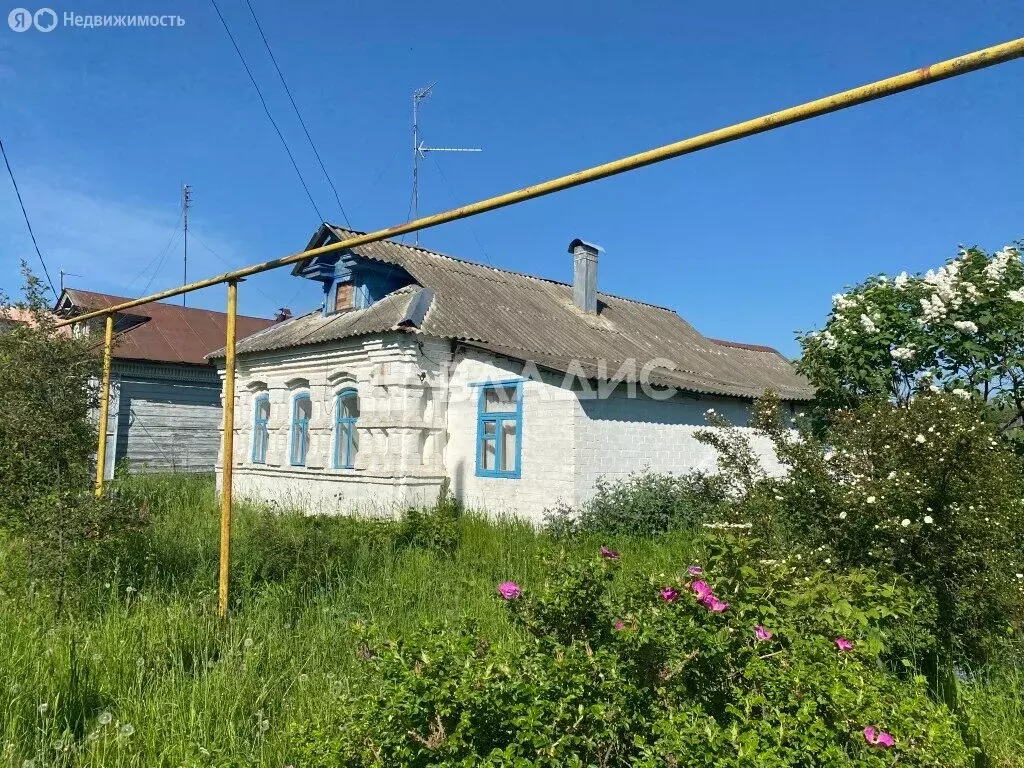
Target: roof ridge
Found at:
496, 269
123, 299
744, 345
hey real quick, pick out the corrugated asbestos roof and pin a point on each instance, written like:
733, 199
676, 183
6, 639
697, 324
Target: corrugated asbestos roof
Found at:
530, 318
167, 333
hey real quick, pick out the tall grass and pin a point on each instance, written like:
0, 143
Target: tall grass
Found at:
136, 669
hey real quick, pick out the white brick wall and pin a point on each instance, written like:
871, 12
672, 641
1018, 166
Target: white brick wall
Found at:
568, 440
547, 441
418, 424
399, 418
618, 436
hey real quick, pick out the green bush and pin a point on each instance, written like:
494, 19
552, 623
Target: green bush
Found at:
650, 674
644, 504
435, 528
929, 491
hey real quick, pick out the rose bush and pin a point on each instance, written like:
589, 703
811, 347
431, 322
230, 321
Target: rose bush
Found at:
734, 662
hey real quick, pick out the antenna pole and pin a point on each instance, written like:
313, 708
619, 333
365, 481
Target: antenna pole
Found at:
416, 158
63, 274
186, 201
419, 150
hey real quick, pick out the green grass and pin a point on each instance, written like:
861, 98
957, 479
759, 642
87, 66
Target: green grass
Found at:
182, 688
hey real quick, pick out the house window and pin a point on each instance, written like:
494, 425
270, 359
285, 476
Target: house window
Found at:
499, 430
346, 438
302, 411
260, 432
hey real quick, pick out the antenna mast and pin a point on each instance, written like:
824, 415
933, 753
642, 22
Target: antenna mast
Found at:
420, 149
186, 201
64, 274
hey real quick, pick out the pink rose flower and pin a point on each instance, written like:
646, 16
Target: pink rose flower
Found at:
701, 589
761, 633
609, 553
619, 625
669, 594
877, 738
843, 644
509, 590
695, 570
716, 605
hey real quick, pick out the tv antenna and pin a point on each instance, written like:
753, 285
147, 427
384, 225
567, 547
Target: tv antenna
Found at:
64, 274
420, 149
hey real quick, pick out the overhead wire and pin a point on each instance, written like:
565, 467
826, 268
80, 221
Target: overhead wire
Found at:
298, 114
28, 223
266, 109
227, 263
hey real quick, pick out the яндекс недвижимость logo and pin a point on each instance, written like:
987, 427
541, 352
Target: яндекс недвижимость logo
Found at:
22, 19
46, 20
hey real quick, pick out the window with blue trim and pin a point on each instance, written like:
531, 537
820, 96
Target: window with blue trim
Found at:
346, 438
499, 430
302, 411
260, 431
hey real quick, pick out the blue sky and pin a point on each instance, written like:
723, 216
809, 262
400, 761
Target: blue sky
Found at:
746, 241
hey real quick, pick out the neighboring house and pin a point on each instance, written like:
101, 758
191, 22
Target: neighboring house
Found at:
12, 317
421, 366
165, 396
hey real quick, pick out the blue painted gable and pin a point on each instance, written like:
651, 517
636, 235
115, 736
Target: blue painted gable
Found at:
371, 280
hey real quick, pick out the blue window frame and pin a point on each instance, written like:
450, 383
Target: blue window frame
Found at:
260, 431
346, 438
302, 412
499, 430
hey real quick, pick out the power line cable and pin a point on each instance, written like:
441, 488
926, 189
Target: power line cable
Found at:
266, 109
27, 222
302, 122
227, 263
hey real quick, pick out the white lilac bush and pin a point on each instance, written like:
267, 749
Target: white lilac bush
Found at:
958, 328
930, 491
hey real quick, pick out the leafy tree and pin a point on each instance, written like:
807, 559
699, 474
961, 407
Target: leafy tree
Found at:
47, 435
47, 441
959, 329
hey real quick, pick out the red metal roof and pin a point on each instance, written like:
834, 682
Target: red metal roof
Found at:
166, 333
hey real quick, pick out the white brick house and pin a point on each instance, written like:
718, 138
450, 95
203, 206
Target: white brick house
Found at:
522, 391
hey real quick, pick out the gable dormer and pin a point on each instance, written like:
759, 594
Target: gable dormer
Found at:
349, 281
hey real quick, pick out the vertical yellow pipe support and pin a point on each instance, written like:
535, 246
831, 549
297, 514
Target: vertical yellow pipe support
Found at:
101, 448
228, 459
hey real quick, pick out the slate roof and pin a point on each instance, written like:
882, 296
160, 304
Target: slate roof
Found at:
530, 318
159, 332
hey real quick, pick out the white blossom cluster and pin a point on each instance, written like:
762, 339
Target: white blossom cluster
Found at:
869, 324
903, 353
996, 268
841, 301
965, 326
945, 296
